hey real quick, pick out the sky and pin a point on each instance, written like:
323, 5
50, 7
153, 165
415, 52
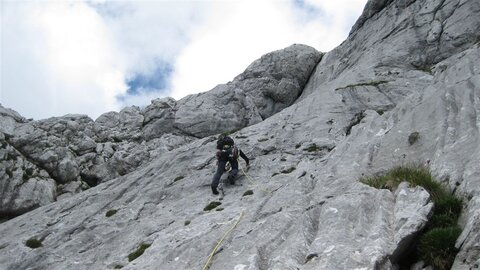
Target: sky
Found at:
90, 57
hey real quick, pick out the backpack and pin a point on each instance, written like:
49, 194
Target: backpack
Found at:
227, 146
222, 141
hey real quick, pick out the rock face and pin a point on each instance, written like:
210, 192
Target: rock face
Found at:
65, 155
407, 67
277, 79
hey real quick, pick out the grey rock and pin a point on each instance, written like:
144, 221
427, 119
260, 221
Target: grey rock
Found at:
267, 86
308, 210
435, 32
413, 208
371, 8
8, 120
23, 186
224, 108
277, 79
67, 170
159, 118
119, 126
83, 146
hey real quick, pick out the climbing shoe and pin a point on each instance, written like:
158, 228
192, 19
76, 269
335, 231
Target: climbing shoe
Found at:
214, 190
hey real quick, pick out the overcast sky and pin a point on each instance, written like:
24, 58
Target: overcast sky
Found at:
91, 57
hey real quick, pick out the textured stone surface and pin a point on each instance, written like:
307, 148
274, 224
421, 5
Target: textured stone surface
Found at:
277, 79
77, 152
393, 76
224, 108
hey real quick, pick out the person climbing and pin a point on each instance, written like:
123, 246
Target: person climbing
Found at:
227, 152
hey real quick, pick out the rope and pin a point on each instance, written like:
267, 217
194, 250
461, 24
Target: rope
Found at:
252, 182
220, 242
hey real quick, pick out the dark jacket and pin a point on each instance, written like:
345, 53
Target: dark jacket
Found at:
231, 155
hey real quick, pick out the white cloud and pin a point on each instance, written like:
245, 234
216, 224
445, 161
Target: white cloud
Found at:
236, 33
60, 57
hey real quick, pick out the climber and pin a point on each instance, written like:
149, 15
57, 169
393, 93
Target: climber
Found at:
227, 152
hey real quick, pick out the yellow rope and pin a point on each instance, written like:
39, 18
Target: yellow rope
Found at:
220, 242
252, 182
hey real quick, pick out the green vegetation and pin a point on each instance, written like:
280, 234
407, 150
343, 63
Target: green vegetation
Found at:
312, 148
370, 83
111, 212
178, 178
33, 243
413, 137
118, 266
289, 170
187, 222
263, 139
436, 246
137, 253
211, 206
298, 146
247, 193
275, 173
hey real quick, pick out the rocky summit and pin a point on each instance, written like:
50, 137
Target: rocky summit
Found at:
131, 190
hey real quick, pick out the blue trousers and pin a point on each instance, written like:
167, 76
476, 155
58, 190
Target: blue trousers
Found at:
221, 169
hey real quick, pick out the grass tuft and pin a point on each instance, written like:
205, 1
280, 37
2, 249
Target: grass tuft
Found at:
413, 137
187, 222
137, 253
111, 212
247, 193
211, 206
312, 148
437, 244
437, 247
178, 178
33, 243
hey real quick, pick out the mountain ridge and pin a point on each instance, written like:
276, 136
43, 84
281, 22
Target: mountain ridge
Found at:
392, 76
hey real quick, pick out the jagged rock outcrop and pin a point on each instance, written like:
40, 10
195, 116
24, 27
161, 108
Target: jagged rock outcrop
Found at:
308, 210
74, 152
277, 79
224, 108
266, 87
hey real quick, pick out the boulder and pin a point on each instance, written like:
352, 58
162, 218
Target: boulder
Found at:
223, 109
277, 79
